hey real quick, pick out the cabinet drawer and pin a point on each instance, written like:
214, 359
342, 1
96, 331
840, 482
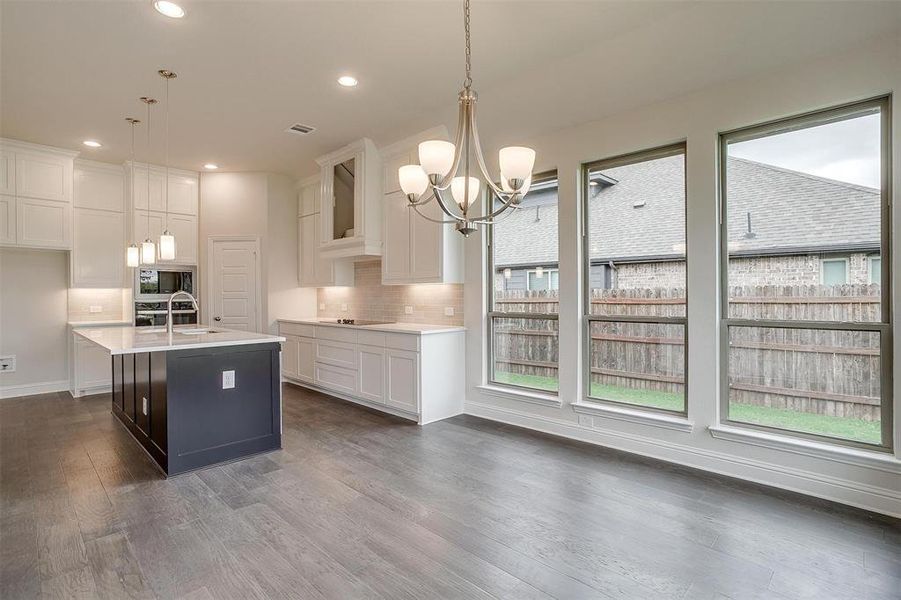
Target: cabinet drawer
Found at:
338, 354
297, 329
402, 341
336, 378
337, 334
371, 338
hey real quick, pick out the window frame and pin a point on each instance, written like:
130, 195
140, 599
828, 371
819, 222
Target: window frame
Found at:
673, 149
870, 261
547, 272
491, 314
882, 104
841, 259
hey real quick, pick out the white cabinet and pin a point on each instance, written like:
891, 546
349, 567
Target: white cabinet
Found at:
183, 194
351, 201
98, 249
99, 186
90, 368
156, 190
44, 176
7, 172
43, 223
381, 369
148, 224
417, 250
184, 228
314, 269
7, 219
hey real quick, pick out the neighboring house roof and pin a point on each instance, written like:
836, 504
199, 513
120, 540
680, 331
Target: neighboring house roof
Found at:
791, 212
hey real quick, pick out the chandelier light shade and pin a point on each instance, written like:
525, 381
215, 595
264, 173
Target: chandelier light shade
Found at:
132, 256
167, 246
444, 165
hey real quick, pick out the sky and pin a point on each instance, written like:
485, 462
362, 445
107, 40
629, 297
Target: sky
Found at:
844, 151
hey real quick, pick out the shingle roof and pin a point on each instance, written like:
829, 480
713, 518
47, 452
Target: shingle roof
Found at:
790, 212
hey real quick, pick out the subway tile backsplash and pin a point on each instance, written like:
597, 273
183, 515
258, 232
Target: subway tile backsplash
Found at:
371, 300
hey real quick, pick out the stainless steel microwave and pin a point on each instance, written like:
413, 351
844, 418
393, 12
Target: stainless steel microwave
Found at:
158, 283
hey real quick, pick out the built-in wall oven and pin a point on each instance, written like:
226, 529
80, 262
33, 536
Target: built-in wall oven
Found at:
154, 285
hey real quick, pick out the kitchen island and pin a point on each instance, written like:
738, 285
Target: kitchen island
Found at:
194, 397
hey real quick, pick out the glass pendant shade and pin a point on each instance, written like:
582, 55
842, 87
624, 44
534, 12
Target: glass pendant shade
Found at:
436, 157
133, 256
167, 246
413, 180
516, 162
458, 185
148, 252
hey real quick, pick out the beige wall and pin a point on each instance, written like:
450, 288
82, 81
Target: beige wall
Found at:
33, 317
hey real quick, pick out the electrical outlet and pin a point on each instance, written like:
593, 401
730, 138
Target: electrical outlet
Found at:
448, 311
228, 380
95, 309
144, 405
408, 310
322, 306
8, 364
343, 308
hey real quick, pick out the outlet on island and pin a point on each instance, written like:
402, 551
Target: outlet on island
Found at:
228, 380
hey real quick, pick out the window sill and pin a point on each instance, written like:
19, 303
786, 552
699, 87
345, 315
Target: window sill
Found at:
641, 417
851, 456
521, 395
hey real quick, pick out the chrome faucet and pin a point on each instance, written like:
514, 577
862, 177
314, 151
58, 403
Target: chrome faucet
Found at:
169, 309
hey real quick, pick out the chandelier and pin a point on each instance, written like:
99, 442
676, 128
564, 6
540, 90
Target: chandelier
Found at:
441, 161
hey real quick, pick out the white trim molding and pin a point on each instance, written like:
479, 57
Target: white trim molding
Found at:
884, 500
33, 389
641, 417
860, 458
521, 395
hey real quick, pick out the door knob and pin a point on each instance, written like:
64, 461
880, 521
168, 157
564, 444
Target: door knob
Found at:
217, 318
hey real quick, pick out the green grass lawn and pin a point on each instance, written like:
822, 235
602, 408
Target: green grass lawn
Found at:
838, 427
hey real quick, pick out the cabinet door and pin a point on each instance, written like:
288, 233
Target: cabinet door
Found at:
290, 356
148, 224
7, 172
390, 179
7, 219
308, 200
98, 249
183, 194
157, 187
402, 375
142, 392
92, 365
44, 177
305, 353
396, 246
426, 244
372, 373
43, 223
102, 189
307, 235
325, 268
184, 228
118, 391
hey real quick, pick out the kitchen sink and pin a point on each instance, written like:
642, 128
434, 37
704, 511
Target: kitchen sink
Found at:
197, 331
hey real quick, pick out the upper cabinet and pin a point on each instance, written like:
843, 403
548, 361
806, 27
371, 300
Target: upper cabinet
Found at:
313, 269
98, 236
36, 188
183, 193
351, 201
99, 186
416, 250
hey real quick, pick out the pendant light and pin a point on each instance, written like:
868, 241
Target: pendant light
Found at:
132, 253
167, 240
148, 248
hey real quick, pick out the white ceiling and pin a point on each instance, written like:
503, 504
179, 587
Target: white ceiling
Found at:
247, 70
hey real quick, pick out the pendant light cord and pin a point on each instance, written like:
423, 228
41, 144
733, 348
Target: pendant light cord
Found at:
167, 153
467, 83
148, 169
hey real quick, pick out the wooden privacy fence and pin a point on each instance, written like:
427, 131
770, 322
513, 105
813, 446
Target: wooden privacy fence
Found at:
828, 372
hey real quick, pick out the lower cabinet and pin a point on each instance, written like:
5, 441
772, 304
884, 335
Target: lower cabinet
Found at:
403, 380
372, 373
90, 368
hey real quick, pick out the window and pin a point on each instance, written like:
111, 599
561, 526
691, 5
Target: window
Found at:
523, 302
544, 279
634, 272
834, 271
805, 218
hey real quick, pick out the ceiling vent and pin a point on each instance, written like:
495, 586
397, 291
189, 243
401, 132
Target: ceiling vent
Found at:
300, 129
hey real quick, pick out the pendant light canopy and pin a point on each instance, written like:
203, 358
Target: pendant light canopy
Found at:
167, 240
148, 248
132, 253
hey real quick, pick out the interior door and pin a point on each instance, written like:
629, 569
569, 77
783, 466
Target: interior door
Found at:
234, 285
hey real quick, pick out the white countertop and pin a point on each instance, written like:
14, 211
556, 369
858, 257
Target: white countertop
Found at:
414, 328
130, 340
75, 324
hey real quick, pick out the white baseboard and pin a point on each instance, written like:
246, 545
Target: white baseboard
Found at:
877, 499
31, 389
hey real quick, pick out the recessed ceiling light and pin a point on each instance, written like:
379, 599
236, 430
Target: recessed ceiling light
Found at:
347, 81
170, 9
92, 143
210, 166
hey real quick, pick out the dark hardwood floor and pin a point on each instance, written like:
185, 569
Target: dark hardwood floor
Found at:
363, 505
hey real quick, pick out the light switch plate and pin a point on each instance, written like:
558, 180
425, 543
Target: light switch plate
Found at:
343, 308
448, 311
8, 364
408, 310
95, 309
228, 380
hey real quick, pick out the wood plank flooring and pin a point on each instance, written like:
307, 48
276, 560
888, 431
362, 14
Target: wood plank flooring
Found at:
364, 505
